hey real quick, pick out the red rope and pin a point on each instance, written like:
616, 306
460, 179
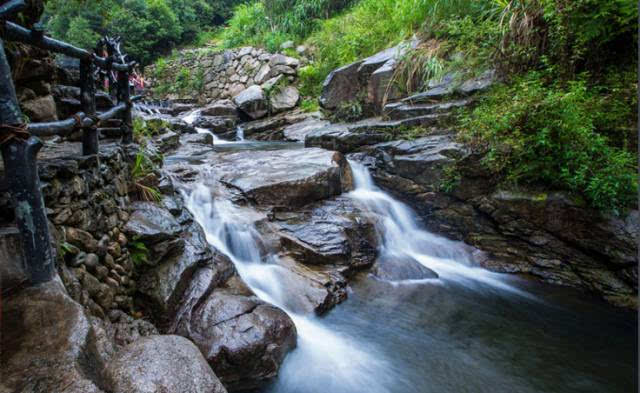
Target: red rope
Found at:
10, 132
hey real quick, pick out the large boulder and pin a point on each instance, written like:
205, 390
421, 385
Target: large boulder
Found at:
224, 108
356, 81
154, 364
163, 285
253, 102
244, 339
401, 267
268, 178
341, 85
284, 99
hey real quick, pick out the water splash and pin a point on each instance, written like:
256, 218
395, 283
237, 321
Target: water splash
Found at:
402, 236
331, 362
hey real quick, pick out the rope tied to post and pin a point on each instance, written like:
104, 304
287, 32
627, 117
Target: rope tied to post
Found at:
11, 132
78, 121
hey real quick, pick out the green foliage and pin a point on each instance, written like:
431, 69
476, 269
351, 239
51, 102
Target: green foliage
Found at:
575, 34
272, 22
151, 28
545, 133
310, 105
80, 33
139, 253
450, 179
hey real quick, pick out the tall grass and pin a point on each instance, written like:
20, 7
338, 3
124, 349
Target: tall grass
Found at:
373, 25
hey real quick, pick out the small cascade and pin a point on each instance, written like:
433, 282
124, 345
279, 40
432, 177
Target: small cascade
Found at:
401, 236
240, 134
339, 363
190, 118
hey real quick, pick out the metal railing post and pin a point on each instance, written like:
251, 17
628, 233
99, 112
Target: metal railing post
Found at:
19, 152
90, 143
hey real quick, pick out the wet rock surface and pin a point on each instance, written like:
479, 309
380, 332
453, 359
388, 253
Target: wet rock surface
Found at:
161, 364
268, 178
243, 338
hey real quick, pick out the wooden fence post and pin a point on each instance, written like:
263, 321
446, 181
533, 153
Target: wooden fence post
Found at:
124, 96
90, 142
19, 152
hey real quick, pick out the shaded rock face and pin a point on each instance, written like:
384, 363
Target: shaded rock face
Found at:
151, 223
401, 267
161, 364
365, 80
540, 233
13, 271
328, 233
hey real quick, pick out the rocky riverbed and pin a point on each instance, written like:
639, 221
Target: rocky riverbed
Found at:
284, 252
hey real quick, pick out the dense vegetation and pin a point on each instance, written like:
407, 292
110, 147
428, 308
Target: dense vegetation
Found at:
151, 27
565, 116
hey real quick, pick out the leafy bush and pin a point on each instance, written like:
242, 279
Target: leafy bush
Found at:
537, 132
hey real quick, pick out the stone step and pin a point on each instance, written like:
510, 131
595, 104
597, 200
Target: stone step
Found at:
403, 110
347, 138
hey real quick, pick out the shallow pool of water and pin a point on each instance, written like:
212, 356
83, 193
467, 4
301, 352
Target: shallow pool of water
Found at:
445, 337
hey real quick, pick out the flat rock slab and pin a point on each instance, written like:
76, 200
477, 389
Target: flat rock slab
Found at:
299, 131
285, 177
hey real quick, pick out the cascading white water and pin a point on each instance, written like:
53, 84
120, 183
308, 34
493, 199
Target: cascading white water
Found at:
402, 236
191, 117
240, 133
331, 362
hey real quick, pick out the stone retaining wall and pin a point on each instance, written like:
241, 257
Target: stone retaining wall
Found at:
86, 199
224, 73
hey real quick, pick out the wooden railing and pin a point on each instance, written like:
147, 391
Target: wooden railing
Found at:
19, 141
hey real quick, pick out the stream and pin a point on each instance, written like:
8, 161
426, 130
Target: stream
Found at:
466, 330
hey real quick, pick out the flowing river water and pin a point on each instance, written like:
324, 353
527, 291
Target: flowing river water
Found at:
468, 330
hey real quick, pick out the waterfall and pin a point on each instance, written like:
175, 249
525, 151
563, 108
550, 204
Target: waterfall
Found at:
331, 362
329, 357
190, 118
240, 134
402, 236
